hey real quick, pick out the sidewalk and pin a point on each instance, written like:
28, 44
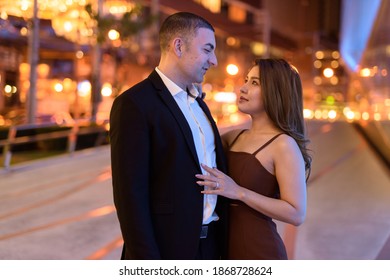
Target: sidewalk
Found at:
348, 198
62, 208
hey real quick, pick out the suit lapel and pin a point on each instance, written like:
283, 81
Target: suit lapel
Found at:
170, 102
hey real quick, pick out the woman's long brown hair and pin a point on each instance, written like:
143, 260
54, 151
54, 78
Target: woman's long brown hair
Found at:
281, 89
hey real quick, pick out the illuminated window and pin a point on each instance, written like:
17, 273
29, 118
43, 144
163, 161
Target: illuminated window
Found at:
237, 14
212, 5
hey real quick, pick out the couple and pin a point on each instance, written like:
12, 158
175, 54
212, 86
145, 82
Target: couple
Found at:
172, 195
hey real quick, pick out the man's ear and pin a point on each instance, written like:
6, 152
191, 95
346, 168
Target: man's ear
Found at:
177, 46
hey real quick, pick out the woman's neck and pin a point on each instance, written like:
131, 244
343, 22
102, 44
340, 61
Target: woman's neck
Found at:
263, 125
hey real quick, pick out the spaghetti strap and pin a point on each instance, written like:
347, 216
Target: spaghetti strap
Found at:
235, 139
266, 144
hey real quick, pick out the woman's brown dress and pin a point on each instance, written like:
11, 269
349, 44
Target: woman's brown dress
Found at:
252, 235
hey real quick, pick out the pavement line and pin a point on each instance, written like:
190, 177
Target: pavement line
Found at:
328, 168
104, 251
48, 185
99, 212
100, 178
384, 254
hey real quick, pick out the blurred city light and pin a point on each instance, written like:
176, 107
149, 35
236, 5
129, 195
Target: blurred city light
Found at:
84, 88
365, 72
225, 97
332, 114
106, 89
113, 34
58, 87
328, 86
232, 69
79, 54
320, 54
258, 49
328, 72
308, 114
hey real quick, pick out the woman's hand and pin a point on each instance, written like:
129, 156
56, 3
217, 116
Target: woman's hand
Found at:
219, 183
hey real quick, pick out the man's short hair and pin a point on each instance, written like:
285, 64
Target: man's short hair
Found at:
181, 24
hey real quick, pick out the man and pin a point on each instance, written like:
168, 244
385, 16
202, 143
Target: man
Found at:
160, 134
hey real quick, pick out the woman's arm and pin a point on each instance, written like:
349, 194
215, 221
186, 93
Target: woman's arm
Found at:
290, 173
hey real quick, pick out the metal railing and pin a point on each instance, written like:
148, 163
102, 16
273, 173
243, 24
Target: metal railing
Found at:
70, 132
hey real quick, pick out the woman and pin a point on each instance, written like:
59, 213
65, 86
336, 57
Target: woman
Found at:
267, 163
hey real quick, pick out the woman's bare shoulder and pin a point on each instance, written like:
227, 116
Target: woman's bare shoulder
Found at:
285, 144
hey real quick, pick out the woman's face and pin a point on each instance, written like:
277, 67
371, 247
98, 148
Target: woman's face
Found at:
250, 101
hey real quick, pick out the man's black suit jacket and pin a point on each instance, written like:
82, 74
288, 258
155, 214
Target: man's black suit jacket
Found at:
154, 162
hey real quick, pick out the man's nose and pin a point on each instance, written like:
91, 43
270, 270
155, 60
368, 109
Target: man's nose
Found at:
213, 60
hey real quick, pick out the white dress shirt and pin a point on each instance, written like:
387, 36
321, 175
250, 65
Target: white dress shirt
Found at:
202, 134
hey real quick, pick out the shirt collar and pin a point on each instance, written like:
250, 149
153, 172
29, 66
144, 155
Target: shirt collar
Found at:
193, 91
174, 88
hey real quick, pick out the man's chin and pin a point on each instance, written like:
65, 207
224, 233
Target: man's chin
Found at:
200, 80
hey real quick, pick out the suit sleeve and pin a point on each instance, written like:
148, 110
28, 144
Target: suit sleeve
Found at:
129, 138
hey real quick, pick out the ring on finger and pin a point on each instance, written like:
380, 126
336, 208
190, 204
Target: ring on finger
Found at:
217, 185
